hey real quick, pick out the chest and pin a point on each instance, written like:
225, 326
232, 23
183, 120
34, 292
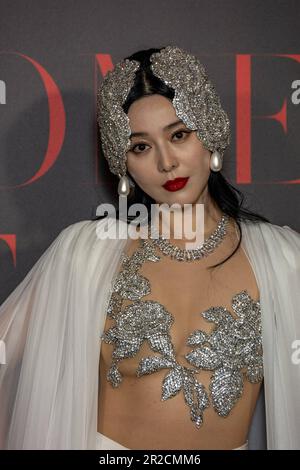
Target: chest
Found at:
166, 299
178, 320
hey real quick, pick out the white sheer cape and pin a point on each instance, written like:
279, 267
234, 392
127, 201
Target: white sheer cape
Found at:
51, 326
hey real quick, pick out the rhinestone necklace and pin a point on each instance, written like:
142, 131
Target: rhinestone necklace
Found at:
175, 252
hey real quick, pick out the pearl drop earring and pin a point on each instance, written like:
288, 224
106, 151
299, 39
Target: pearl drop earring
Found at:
123, 186
216, 161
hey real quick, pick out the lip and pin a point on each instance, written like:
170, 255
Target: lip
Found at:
175, 185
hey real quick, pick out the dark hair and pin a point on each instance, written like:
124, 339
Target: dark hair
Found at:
228, 198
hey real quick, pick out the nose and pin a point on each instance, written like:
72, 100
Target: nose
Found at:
166, 160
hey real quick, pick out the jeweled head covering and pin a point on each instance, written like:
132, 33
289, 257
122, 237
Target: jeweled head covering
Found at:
195, 102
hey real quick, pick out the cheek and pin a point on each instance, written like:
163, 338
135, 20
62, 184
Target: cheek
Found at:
132, 167
196, 155
200, 160
141, 171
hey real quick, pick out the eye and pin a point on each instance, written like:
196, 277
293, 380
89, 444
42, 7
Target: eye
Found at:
132, 149
181, 132
141, 144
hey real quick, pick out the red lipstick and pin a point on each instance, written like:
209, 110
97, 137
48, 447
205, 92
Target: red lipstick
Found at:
175, 185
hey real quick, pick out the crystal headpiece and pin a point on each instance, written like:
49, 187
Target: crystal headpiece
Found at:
195, 102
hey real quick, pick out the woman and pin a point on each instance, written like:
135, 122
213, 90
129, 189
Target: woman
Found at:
183, 336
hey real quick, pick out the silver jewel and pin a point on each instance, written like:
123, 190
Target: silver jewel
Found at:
234, 344
233, 350
195, 102
113, 123
180, 254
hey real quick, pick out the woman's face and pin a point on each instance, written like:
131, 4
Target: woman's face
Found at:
166, 152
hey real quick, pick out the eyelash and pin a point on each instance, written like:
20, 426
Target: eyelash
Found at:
142, 143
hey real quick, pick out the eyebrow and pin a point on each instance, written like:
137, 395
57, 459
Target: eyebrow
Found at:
143, 134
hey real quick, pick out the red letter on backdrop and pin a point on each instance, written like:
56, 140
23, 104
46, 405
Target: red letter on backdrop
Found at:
57, 121
10, 240
243, 118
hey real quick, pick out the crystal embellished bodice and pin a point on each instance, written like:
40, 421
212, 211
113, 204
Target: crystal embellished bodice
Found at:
232, 351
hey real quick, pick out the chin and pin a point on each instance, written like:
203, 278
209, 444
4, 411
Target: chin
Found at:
177, 200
